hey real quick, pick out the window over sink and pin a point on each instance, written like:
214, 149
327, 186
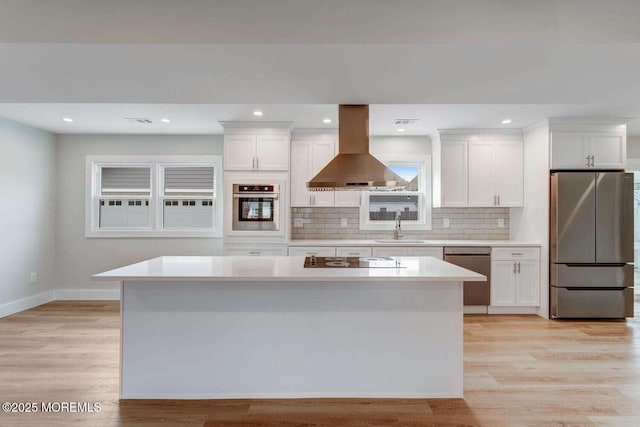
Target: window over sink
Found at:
379, 208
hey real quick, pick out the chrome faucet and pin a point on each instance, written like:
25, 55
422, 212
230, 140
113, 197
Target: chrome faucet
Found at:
398, 234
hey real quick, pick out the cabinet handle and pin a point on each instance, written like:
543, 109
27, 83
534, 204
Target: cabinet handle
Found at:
254, 253
253, 163
516, 253
312, 253
588, 160
494, 200
258, 163
514, 268
498, 200
518, 268
354, 253
593, 160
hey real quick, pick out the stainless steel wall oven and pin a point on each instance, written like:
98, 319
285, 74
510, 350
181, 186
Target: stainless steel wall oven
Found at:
256, 207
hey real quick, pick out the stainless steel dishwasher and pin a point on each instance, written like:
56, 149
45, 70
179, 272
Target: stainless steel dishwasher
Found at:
476, 259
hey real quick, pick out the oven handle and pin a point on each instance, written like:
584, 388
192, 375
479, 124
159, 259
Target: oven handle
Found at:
259, 195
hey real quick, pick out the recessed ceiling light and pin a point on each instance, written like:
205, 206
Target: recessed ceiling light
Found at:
165, 120
506, 121
326, 120
400, 130
257, 113
67, 119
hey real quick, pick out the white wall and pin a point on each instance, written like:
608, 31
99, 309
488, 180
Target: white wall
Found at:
400, 145
78, 257
27, 209
531, 222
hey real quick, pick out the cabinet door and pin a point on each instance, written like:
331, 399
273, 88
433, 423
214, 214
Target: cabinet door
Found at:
528, 283
390, 251
482, 173
503, 292
300, 173
569, 150
272, 152
322, 152
417, 251
239, 152
454, 175
608, 150
509, 173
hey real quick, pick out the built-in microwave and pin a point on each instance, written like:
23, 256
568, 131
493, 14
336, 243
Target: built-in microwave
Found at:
256, 207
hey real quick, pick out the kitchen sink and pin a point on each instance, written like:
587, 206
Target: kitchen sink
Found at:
399, 241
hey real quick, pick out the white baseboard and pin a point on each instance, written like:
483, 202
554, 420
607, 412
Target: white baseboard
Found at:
513, 310
87, 294
25, 303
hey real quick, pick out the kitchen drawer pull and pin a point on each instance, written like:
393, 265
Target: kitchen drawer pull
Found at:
518, 268
517, 253
514, 268
254, 253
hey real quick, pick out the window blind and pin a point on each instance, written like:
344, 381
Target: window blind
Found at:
135, 180
188, 180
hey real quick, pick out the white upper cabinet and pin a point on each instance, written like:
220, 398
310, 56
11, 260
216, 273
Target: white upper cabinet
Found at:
609, 151
509, 173
256, 152
482, 172
455, 171
272, 152
307, 159
255, 149
587, 150
239, 152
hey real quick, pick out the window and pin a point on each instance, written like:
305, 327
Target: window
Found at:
156, 196
378, 209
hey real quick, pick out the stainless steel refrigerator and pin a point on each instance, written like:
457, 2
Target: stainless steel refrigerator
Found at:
591, 245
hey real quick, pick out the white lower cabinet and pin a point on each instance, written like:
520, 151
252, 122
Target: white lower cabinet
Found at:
359, 251
254, 250
515, 277
312, 250
390, 251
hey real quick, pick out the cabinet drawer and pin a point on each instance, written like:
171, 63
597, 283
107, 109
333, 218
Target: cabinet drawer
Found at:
353, 251
390, 251
255, 251
417, 251
312, 250
515, 253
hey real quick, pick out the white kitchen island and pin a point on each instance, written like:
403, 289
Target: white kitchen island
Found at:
265, 327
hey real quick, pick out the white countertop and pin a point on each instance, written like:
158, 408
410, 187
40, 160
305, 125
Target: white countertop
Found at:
281, 268
425, 242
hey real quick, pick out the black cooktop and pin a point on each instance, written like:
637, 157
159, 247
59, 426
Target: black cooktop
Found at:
351, 262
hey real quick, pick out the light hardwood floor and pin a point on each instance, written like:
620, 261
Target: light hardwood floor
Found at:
519, 370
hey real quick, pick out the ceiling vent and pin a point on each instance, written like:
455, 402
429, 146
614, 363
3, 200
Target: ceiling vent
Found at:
404, 122
142, 120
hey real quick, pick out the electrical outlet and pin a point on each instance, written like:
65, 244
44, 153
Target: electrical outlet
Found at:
33, 277
297, 223
501, 222
343, 222
445, 222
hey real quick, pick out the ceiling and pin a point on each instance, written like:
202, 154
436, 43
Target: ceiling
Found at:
203, 119
455, 63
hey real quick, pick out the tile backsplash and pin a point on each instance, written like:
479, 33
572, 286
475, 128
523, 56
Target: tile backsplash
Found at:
464, 224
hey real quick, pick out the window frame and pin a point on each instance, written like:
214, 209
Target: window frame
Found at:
156, 198
424, 194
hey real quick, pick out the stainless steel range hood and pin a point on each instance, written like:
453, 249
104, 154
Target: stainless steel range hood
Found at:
354, 168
